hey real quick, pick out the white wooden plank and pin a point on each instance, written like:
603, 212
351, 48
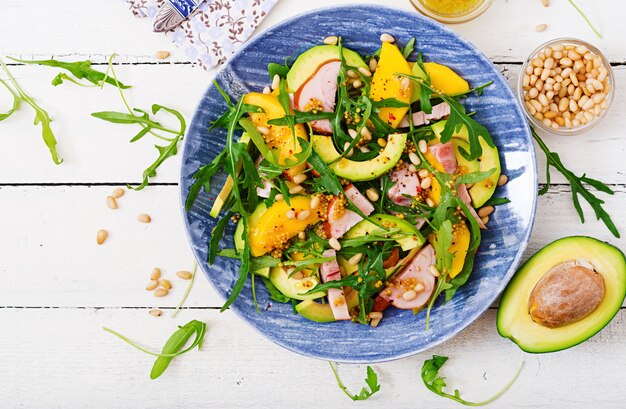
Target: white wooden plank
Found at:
107, 27
97, 151
64, 358
55, 261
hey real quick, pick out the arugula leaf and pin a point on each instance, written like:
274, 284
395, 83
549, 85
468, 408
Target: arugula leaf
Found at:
425, 92
202, 178
275, 68
16, 102
497, 201
164, 153
475, 177
436, 383
577, 185
444, 258
409, 48
80, 70
41, 115
172, 347
456, 121
300, 117
371, 380
257, 263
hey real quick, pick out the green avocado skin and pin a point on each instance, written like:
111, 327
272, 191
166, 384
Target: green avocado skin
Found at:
514, 322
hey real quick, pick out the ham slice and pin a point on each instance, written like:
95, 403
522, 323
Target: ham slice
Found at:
466, 198
336, 297
406, 183
320, 88
444, 153
336, 227
413, 274
422, 118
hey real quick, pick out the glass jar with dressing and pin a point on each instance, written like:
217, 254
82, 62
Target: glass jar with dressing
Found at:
452, 11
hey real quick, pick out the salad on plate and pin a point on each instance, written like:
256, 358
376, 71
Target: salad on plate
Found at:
358, 183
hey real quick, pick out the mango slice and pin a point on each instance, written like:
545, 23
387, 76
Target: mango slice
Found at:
441, 77
280, 137
275, 228
386, 83
460, 244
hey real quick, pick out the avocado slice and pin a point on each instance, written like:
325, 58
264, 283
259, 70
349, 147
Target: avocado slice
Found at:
322, 312
253, 220
227, 189
364, 170
307, 63
364, 227
483, 190
293, 287
514, 320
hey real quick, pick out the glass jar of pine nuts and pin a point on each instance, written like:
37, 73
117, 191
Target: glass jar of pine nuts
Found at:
566, 86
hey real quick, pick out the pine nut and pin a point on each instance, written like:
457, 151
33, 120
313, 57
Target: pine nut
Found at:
541, 27
296, 189
414, 158
533, 92
372, 195
352, 74
279, 197
155, 312
334, 243
276, 82
155, 274
302, 235
405, 84
144, 218
426, 183
485, 211
412, 168
184, 275
485, 220
299, 178
315, 202
165, 284
375, 315
588, 105
423, 173
387, 38
352, 133
365, 72
346, 146
267, 90
118, 192
152, 284
409, 295
374, 323
161, 55
423, 147
429, 202
566, 62
550, 115
354, 260
290, 214
419, 287
263, 130
364, 149
111, 202
331, 40
373, 64
563, 104
543, 100
432, 270
502, 180
357, 84
101, 236
303, 215
160, 292
365, 132
545, 3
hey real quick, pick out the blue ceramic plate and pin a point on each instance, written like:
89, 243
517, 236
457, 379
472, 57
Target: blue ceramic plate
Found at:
401, 333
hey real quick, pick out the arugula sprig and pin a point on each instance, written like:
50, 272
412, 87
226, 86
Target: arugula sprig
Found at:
41, 116
173, 347
371, 380
435, 383
79, 69
457, 120
577, 184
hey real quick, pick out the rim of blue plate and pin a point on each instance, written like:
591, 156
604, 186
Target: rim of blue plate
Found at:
521, 248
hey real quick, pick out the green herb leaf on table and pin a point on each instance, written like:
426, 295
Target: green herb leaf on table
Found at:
173, 347
577, 184
371, 380
435, 383
41, 115
16, 102
79, 69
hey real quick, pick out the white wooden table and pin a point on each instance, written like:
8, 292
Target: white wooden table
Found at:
59, 288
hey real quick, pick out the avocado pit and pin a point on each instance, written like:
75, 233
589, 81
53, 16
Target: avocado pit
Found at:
567, 293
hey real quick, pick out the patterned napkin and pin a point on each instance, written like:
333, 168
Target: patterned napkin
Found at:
214, 31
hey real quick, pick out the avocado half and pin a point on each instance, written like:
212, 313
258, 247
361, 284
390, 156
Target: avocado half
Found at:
514, 321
